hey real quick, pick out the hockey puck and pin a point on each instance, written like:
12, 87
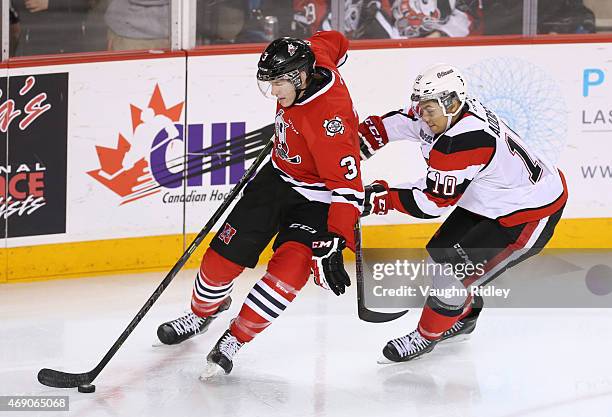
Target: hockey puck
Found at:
87, 388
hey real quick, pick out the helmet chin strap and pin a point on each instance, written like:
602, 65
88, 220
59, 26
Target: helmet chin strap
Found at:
449, 117
298, 91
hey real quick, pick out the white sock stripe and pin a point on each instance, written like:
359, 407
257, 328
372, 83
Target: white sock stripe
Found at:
200, 278
205, 299
207, 292
265, 303
203, 295
258, 310
271, 291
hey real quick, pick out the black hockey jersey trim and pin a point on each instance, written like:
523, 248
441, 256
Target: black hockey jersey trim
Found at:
466, 141
406, 197
295, 183
400, 112
317, 86
349, 197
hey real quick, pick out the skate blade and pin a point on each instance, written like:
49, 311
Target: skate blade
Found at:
212, 370
384, 361
457, 339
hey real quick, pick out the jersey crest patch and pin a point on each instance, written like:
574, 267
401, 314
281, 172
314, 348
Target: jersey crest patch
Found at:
333, 126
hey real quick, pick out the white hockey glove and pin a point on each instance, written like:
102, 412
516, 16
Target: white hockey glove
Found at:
327, 263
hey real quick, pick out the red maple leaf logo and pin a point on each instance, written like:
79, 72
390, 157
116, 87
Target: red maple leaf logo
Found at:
134, 181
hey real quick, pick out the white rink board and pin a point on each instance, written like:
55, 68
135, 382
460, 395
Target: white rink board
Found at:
100, 95
537, 85
525, 81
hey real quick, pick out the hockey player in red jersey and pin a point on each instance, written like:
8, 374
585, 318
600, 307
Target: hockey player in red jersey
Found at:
309, 195
507, 198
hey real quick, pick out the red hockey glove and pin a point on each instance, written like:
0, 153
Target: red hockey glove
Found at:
372, 136
377, 198
327, 263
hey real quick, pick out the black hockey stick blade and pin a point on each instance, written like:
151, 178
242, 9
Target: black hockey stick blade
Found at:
363, 312
59, 379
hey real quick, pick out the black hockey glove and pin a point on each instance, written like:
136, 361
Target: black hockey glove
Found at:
327, 263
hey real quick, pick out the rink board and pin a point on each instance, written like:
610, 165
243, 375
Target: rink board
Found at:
107, 167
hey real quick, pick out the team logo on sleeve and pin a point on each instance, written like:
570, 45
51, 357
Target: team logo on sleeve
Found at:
333, 126
227, 234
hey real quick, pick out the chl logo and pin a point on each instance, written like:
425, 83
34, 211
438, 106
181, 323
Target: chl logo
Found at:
150, 157
227, 234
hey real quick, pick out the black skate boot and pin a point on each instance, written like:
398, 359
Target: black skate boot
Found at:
221, 356
464, 326
178, 330
467, 324
408, 347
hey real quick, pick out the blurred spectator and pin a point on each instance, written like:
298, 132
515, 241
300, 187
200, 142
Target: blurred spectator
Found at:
565, 16
503, 17
138, 24
220, 21
240, 21
14, 30
396, 19
52, 26
310, 16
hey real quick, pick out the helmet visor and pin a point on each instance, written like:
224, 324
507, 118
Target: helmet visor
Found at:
274, 88
429, 109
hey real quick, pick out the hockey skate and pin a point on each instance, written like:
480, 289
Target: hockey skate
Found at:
220, 358
464, 327
178, 330
407, 348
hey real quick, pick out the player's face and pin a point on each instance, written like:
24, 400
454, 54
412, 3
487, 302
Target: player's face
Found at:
431, 112
284, 91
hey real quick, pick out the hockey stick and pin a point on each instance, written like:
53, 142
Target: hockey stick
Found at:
363, 312
58, 379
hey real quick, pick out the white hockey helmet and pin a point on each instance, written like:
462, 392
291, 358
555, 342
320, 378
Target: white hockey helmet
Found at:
441, 82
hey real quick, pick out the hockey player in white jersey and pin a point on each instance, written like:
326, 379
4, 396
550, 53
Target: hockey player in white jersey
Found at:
507, 198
